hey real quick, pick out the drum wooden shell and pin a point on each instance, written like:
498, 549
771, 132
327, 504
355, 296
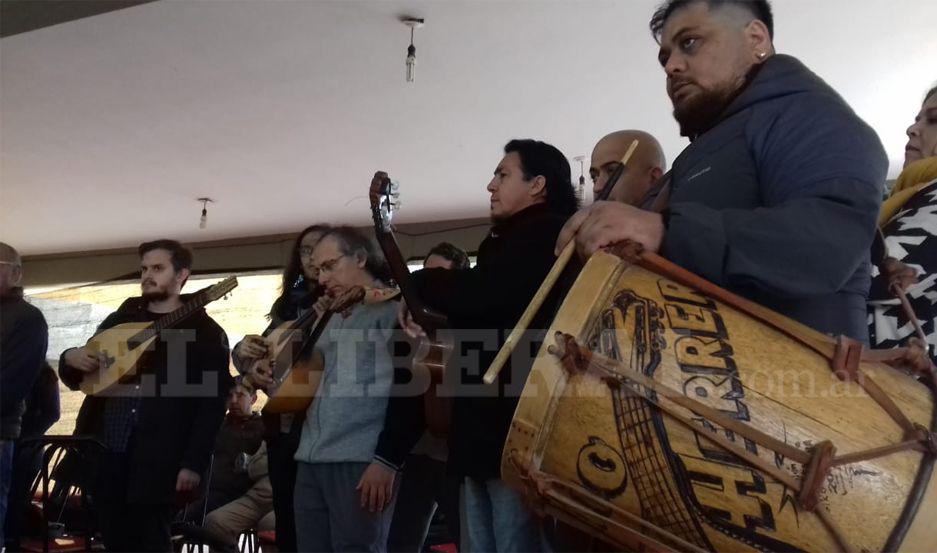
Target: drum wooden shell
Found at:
612, 463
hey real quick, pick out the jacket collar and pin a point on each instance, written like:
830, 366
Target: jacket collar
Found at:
522, 216
15, 293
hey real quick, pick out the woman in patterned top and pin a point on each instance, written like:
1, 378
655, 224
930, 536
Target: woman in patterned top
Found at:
909, 224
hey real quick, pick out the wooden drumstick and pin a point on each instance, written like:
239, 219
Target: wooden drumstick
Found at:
511, 342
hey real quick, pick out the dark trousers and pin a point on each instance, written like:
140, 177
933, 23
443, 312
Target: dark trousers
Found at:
424, 486
27, 462
282, 470
125, 525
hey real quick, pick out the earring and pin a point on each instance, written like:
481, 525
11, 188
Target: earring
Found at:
761, 55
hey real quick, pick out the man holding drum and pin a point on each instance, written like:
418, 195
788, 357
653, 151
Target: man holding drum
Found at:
777, 194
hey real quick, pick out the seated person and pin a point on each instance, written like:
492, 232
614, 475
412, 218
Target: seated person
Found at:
241, 432
254, 509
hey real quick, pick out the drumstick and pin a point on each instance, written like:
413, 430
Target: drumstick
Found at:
511, 342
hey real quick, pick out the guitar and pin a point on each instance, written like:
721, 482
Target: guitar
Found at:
432, 355
295, 376
122, 347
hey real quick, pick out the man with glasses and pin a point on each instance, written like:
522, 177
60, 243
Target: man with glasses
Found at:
24, 337
344, 500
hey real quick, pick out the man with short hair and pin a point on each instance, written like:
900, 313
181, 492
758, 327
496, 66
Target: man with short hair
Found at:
241, 432
24, 337
446, 256
159, 428
645, 169
531, 198
776, 196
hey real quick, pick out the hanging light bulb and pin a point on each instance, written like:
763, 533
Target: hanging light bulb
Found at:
411, 63
413, 23
203, 220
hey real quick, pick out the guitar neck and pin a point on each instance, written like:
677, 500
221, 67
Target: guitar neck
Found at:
173, 318
316, 332
422, 315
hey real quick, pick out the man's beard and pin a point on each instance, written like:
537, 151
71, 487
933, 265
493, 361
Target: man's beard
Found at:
702, 111
156, 294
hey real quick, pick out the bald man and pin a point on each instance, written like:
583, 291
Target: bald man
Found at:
645, 169
23, 340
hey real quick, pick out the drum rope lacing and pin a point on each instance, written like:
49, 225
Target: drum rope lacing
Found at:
843, 354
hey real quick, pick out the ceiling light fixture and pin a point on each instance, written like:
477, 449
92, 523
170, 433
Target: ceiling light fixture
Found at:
203, 220
413, 23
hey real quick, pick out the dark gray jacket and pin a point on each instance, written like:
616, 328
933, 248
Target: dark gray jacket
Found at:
778, 200
24, 337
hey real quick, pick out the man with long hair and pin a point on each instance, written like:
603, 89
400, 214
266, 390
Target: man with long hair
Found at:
531, 197
299, 291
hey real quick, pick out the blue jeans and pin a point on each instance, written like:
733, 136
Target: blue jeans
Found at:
494, 518
6, 477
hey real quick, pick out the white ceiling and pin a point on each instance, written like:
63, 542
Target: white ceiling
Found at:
281, 110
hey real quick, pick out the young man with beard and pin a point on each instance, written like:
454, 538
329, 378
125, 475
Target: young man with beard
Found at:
776, 196
158, 429
531, 198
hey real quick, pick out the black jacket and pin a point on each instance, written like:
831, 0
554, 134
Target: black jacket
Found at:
778, 201
483, 305
176, 427
24, 337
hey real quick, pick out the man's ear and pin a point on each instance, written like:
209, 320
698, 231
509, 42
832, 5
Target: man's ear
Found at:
759, 40
538, 186
655, 174
183, 276
361, 259
17, 275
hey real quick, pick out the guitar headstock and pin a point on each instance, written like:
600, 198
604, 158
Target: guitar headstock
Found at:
346, 299
221, 288
385, 199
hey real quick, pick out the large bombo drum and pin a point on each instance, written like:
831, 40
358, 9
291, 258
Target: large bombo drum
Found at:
697, 426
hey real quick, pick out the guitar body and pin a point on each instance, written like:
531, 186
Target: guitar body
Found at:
432, 357
121, 356
295, 391
295, 380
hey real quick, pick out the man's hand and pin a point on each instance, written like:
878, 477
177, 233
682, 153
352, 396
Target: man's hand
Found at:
376, 487
187, 480
252, 347
260, 375
605, 223
323, 304
83, 359
412, 329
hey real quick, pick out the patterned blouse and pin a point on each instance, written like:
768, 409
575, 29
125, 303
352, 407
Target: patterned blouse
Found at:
911, 237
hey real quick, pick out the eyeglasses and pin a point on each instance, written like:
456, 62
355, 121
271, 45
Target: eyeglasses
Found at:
11, 263
329, 265
305, 252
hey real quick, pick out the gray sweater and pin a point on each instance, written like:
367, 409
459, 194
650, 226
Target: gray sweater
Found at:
347, 414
